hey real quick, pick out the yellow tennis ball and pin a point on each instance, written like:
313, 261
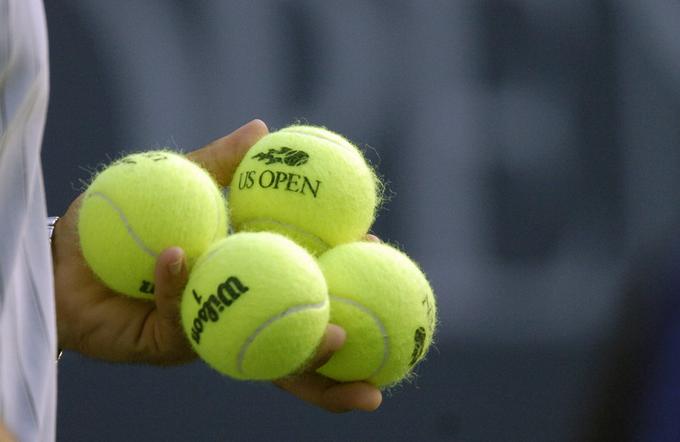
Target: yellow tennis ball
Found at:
384, 302
255, 306
141, 205
307, 183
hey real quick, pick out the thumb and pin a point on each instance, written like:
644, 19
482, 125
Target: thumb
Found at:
222, 156
171, 277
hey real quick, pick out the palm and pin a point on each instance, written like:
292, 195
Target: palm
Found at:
101, 323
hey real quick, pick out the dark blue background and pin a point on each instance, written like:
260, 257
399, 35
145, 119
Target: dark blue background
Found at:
531, 155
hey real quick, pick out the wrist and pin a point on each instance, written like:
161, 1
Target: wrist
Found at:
51, 224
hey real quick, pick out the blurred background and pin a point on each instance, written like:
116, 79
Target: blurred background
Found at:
531, 149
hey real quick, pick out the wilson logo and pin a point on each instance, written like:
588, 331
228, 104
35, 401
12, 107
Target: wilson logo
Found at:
418, 345
226, 293
147, 287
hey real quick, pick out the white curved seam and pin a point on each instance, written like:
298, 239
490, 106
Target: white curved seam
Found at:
270, 321
330, 140
218, 202
381, 327
126, 223
204, 258
315, 239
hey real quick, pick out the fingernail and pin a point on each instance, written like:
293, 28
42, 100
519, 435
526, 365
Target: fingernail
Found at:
372, 401
175, 265
372, 238
258, 122
254, 122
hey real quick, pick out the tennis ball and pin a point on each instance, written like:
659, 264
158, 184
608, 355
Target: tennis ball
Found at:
384, 302
255, 306
307, 183
141, 205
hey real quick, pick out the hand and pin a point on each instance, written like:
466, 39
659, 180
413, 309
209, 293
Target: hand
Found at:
98, 322
326, 393
308, 386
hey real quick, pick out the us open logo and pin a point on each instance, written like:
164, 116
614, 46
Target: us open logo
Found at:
280, 178
285, 155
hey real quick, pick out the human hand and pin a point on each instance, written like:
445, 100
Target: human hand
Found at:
98, 322
326, 393
309, 386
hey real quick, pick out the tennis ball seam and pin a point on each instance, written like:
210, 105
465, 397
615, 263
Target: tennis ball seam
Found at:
289, 311
307, 134
378, 323
146, 249
217, 214
315, 239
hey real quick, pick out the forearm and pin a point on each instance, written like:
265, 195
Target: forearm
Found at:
5, 435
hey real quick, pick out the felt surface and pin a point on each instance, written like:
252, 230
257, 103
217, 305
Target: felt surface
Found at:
386, 305
256, 306
139, 206
307, 183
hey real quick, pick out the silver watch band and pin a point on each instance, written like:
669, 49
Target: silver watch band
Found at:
51, 222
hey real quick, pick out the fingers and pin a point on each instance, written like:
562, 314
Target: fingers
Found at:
171, 277
169, 342
222, 156
327, 393
352, 396
334, 339
331, 395
309, 387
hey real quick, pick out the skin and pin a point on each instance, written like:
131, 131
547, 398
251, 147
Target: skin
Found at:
5, 435
100, 323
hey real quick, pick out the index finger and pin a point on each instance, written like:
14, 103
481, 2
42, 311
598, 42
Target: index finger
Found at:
222, 156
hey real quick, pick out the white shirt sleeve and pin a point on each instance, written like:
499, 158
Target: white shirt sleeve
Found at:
27, 313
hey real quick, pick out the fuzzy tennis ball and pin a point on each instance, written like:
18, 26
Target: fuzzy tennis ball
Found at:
387, 307
141, 205
307, 183
255, 306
